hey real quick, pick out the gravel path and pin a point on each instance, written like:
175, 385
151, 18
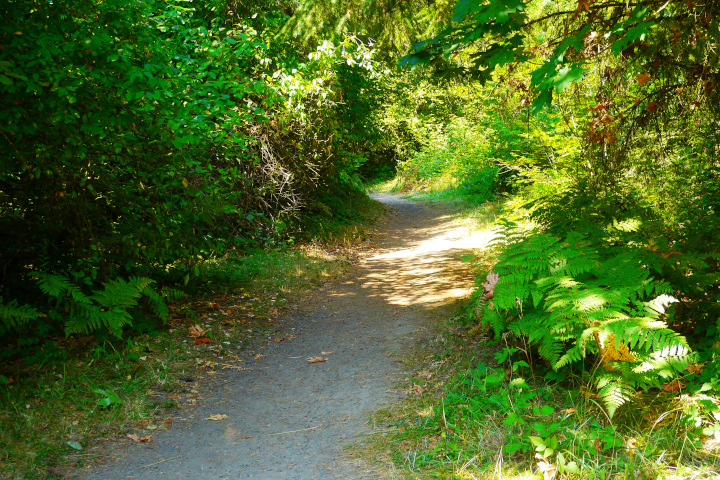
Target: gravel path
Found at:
289, 419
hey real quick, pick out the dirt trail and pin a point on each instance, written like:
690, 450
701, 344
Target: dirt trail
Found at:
288, 419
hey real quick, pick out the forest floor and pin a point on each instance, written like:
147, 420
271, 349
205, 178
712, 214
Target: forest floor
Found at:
337, 356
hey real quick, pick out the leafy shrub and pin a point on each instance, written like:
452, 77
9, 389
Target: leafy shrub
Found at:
140, 139
579, 295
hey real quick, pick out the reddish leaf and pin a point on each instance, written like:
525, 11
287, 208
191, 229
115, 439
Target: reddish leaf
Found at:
316, 359
642, 79
200, 341
695, 368
674, 386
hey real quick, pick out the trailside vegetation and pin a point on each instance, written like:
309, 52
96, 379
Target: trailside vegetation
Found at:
143, 143
142, 139
596, 122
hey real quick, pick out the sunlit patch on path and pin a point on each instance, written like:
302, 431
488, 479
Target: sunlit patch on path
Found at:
426, 269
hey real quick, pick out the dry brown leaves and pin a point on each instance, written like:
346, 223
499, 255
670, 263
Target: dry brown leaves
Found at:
317, 359
217, 417
136, 439
197, 331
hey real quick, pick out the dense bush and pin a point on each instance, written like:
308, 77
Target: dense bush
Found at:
139, 139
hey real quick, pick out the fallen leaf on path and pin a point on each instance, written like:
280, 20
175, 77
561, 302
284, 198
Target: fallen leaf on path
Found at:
316, 359
278, 340
197, 331
200, 341
133, 437
217, 417
229, 311
325, 353
259, 356
246, 437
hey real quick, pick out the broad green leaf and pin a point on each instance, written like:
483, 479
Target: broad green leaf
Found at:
567, 75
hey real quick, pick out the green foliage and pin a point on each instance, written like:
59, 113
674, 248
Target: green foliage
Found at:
13, 315
577, 295
458, 159
157, 136
108, 398
109, 308
390, 25
498, 33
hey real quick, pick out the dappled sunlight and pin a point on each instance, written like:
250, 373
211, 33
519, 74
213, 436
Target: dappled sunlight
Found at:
425, 269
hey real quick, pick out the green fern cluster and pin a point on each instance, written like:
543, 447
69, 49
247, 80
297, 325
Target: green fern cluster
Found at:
13, 315
106, 308
579, 295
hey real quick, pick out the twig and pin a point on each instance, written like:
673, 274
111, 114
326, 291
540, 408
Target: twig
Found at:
86, 455
294, 431
161, 461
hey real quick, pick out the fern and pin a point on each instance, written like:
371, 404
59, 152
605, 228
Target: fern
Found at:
108, 308
57, 286
13, 315
579, 295
613, 391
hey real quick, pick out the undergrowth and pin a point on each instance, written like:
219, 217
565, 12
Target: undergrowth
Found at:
470, 414
64, 400
512, 388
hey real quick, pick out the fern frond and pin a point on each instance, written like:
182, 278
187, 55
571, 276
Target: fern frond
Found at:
613, 391
118, 292
13, 315
572, 355
550, 348
157, 304
57, 285
108, 307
